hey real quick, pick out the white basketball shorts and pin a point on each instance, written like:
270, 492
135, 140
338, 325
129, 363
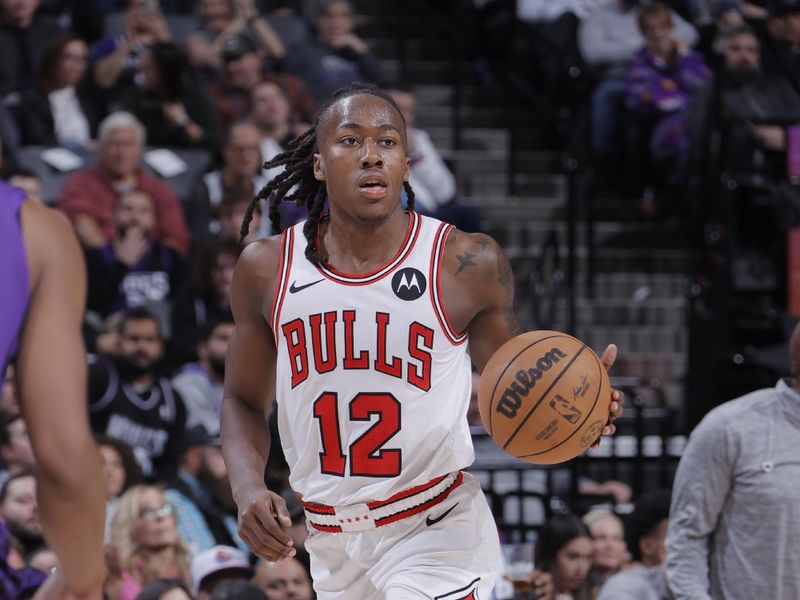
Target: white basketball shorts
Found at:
448, 552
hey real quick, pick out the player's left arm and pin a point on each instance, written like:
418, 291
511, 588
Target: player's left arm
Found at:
51, 372
479, 291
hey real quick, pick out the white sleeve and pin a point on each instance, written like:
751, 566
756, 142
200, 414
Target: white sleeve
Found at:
429, 169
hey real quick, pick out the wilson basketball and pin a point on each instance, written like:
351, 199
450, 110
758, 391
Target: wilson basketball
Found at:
544, 397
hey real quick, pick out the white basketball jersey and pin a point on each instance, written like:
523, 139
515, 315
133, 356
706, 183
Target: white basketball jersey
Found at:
372, 383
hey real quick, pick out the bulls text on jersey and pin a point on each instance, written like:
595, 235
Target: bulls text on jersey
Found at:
320, 329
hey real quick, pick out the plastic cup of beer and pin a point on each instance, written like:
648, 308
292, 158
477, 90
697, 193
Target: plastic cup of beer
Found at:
518, 561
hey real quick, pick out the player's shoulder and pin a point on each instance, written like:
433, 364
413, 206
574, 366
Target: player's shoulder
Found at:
49, 238
41, 218
471, 254
255, 275
261, 258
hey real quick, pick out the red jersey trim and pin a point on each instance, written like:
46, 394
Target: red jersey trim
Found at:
322, 509
412, 234
437, 260
424, 506
287, 246
403, 494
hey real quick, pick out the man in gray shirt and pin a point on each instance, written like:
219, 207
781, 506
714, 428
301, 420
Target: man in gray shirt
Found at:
735, 518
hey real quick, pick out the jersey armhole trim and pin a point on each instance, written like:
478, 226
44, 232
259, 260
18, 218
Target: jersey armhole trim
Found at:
437, 260
287, 247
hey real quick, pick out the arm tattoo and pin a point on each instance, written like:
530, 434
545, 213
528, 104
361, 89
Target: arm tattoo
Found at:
506, 279
465, 261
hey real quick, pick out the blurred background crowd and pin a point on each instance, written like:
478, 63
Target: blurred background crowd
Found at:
638, 161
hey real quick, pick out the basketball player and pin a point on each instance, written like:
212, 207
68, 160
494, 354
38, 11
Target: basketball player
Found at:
41, 310
362, 322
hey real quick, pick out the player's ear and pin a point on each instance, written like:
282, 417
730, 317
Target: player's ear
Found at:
319, 168
407, 171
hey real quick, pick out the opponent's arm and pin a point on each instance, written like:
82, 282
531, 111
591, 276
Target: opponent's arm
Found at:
480, 295
249, 388
51, 371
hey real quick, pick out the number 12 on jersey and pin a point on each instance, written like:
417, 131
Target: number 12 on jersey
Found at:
368, 458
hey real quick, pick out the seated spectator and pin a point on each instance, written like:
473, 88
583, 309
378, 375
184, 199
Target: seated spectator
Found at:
431, 179
608, 540
128, 399
132, 269
661, 82
244, 69
9, 402
145, 543
220, 19
337, 56
164, 589
779, 34
18, 509
564, 549
270, 112
120, 471
722, 16
200, 383
240, 173
433, 183
174, 109
202, 495
218, 564
16, 580
285, 579
62, 109
206, 300
15, 447
117, 59
646, 530
608, 39
754, 110
231, 212
25, 180
89, 196
237, 590
24, 35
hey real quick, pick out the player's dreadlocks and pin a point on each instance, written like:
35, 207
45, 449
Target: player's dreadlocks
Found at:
299, 170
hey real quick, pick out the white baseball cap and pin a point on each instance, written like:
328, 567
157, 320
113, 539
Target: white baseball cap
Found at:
216, 560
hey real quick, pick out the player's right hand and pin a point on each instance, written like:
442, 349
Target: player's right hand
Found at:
262, 518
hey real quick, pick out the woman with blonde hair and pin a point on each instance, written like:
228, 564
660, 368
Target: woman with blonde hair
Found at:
145, 544
608, 543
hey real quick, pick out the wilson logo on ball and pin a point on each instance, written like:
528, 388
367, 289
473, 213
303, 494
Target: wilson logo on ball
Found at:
511, 399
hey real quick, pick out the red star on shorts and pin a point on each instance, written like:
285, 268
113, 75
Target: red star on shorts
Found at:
358, 519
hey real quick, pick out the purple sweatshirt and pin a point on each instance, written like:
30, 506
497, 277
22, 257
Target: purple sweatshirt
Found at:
13, 272
658, 87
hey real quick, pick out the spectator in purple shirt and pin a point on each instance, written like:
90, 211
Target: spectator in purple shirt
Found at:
660, 83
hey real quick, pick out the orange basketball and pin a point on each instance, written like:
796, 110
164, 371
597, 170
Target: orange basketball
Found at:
544, 397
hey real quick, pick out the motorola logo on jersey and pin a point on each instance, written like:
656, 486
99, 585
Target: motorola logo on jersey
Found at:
409, 284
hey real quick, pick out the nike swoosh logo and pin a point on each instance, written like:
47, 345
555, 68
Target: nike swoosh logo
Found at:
430, 521
293, 289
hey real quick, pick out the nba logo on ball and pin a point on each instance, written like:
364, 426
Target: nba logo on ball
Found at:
544, 397
409, 284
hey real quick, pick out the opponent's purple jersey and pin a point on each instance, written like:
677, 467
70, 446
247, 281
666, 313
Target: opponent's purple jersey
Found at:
13, 272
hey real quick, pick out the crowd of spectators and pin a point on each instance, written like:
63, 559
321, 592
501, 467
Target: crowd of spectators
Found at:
678, 97
678, 85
